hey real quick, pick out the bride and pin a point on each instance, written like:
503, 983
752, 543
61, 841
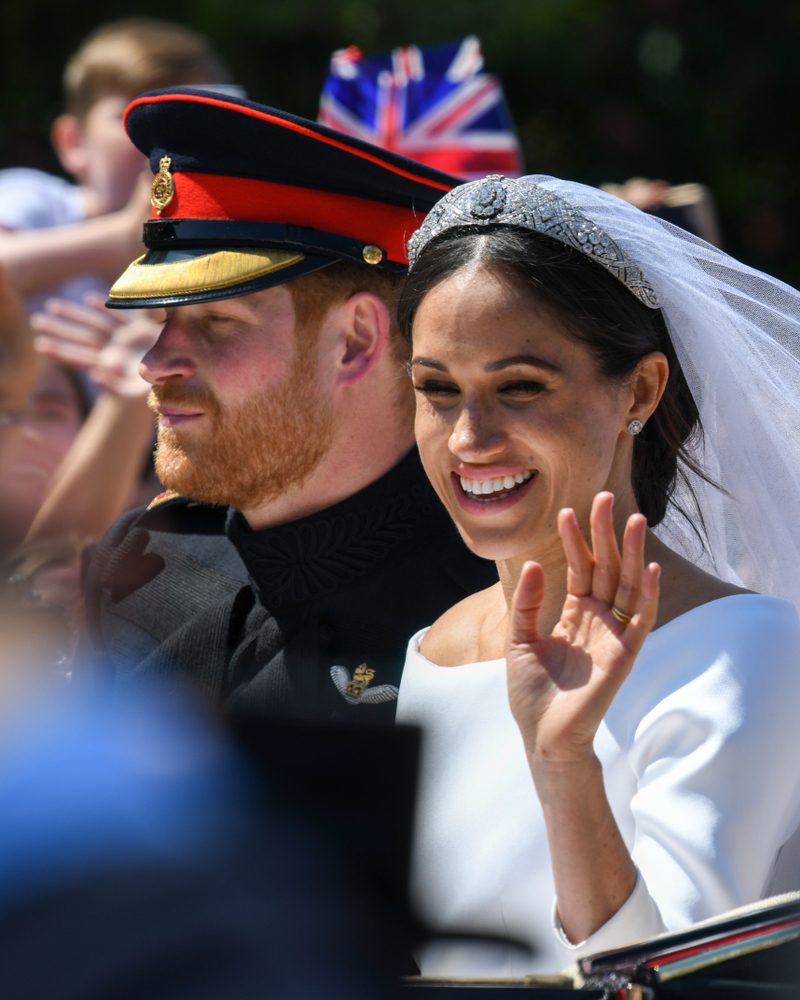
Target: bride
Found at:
608, 408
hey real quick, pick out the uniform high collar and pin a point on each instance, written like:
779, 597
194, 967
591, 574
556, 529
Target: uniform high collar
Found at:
294, 563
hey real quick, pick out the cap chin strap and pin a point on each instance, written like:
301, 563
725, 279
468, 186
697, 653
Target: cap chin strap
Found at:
170, 234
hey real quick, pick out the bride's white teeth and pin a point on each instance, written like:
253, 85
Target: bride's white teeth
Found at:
485, 487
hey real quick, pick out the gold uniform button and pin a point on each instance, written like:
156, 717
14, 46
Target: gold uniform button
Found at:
372, 254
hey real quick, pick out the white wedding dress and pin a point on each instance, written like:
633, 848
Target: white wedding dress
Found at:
701, 760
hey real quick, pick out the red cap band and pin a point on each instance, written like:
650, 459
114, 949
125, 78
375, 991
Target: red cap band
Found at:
214, 196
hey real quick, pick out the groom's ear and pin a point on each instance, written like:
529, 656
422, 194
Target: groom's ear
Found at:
363, 336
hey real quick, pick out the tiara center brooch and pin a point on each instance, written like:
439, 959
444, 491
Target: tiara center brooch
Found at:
488, 199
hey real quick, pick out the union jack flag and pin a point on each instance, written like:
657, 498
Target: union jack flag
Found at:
434, 105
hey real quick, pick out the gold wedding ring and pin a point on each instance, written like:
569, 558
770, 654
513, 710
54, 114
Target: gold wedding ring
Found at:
622, 616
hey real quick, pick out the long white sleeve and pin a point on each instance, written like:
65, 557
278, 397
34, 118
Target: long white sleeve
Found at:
700, 755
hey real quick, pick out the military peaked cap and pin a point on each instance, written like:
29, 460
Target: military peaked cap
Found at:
245, 197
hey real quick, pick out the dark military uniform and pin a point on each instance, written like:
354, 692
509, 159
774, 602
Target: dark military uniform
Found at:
343, 588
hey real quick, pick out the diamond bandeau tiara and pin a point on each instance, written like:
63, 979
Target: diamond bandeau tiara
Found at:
496, 199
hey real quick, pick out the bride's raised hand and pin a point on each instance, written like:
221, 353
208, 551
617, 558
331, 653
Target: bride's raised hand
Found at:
561, 685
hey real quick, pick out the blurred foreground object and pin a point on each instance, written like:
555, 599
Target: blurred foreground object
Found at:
690, 206
151, 847
146, 851
40, 602
432, 104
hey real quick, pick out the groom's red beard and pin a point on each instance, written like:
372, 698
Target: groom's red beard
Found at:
249, 454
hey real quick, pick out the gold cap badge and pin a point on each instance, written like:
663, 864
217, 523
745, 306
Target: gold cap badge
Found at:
163, 189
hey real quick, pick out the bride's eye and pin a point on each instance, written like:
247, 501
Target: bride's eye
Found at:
434, 388
523, 387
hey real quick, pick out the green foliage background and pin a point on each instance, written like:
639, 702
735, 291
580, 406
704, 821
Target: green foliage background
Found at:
600, 91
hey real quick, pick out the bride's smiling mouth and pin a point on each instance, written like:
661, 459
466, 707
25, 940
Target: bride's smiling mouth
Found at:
492, 493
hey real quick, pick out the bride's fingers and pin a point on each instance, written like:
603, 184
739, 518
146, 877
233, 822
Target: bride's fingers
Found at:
626, 598
525, 606
644, 620
580, 563
605, 578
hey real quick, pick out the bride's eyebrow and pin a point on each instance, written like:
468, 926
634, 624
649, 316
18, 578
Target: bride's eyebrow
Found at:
495, 366
429, 363
521, 359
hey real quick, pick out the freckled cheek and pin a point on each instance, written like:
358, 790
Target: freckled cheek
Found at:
546, 436
432, 436
590, 452
236, 376
426, 443
567, 448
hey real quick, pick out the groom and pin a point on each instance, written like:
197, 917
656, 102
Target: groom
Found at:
277, 247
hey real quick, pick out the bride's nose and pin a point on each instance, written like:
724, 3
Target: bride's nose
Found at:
476, 434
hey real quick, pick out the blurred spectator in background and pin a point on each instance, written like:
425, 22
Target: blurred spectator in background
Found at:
690, 206
33, 445
68, 240
76, 433
59, 242
98, 220
67, 472
17, 355
107, 471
